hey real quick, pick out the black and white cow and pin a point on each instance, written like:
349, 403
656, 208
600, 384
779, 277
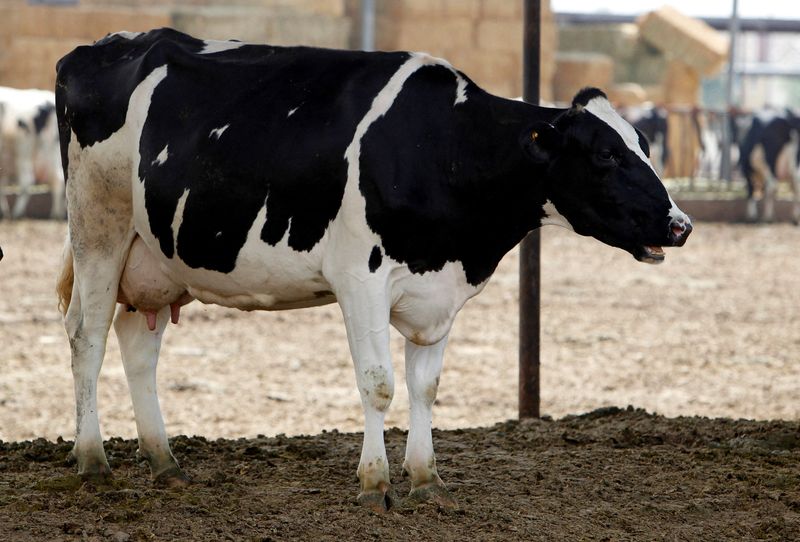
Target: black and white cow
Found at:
273, 178
770, 152
29, 148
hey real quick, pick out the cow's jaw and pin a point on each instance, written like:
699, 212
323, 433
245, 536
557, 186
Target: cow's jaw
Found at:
650, 254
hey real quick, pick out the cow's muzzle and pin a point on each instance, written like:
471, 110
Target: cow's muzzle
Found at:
679, 230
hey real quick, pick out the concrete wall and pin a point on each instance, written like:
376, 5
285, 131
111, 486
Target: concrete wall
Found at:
483, 38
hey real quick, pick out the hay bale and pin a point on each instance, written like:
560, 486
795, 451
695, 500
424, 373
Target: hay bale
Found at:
684, 145
681, 37
577, 70
681, 84
627, 94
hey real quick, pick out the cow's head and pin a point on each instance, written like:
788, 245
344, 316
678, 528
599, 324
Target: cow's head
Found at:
600, 181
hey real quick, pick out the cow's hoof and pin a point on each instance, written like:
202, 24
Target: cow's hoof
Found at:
378, 500
98, 476
433, 493
172, 478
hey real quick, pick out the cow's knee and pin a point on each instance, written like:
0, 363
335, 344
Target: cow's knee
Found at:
377, 387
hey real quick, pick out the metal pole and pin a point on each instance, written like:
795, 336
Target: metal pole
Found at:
367, 25
726, 168
530, 248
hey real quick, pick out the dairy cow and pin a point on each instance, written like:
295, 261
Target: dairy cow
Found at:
29, 148
770, 152
273, 178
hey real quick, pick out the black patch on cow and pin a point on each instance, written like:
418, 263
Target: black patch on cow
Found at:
449, 183
43, 114
23, 125
96, 81
586, 95
292, 164
375, 259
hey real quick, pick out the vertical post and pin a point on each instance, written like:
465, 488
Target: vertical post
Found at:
529, 271
367, 25
726, 168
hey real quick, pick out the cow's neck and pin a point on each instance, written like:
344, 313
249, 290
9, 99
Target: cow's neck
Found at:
510, 193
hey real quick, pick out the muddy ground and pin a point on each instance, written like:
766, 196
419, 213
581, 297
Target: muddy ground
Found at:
712, 332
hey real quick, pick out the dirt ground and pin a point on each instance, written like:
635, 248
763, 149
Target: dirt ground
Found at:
712, 332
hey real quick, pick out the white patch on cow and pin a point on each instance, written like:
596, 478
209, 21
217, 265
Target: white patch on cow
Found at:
177, 220
461, 89
217, 46
292, 111
676, 214
553, 218
162, 157
127, 35
216, 133
601, 108
139, 103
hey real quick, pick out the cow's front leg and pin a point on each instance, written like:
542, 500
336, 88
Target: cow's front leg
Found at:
367, 321
5, 210
140, 347
423, 367
26, 176
796, 196
770, 194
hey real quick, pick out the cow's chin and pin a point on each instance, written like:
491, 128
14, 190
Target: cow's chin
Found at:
649, 254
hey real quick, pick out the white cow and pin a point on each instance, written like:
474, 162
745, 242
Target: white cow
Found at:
29, 148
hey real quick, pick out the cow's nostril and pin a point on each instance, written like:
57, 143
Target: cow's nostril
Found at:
680, 231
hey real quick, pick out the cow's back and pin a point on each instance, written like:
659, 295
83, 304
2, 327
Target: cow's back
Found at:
227, 131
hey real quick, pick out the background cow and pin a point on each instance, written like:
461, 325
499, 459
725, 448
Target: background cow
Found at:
769, 153
652, 122
29, 148
272, 178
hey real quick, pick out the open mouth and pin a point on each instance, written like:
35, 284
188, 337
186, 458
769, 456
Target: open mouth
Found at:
650, 254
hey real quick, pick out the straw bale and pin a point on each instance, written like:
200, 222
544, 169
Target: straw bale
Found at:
686, 38
577, 70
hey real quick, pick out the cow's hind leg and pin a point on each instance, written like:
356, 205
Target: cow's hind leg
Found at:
140, 347
98, 259
770, 195
367, 321
423, 367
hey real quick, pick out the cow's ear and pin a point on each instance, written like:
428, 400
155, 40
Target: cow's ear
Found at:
541, 142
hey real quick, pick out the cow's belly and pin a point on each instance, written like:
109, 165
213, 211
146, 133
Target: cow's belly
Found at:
265, 277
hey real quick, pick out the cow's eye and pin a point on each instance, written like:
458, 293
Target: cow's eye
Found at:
606, 158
